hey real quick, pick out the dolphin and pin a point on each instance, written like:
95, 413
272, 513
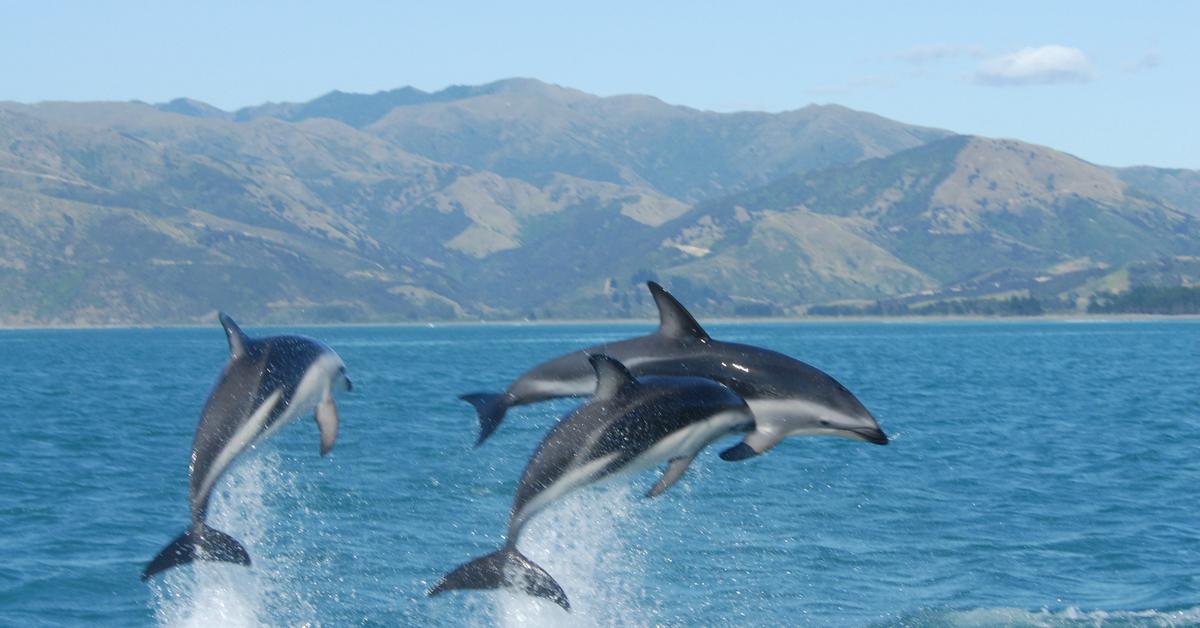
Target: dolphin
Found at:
628, 425
788, 397
267, 383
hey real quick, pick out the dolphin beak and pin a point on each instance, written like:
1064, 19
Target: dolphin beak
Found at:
872, 435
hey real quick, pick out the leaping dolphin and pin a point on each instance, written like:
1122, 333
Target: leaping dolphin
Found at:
267, 383
788, 397
628, 425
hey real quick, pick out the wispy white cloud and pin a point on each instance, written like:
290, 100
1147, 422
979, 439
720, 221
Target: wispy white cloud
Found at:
1148, 61
1040, 65
929, 53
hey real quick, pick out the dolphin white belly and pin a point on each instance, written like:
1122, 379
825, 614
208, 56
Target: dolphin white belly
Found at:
789, 417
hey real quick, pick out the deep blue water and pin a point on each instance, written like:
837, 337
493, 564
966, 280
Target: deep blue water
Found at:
1040, 474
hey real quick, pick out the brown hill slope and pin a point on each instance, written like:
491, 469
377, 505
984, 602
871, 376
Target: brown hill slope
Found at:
922, 219
128, 213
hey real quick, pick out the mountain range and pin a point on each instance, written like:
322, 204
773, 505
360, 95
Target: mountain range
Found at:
519, 199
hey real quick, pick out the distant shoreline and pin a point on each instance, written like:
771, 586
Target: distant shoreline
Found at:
1051, 318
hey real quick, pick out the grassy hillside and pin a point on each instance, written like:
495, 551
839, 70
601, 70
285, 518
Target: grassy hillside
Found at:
521, 199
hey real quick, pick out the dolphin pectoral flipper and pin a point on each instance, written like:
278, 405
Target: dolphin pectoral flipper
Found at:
327, 422
755, 443
671, 475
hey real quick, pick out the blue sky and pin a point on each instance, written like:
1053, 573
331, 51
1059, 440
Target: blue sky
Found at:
1114, 83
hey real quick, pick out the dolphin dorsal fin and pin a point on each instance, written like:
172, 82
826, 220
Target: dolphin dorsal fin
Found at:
612, 378
237, 338
674, 319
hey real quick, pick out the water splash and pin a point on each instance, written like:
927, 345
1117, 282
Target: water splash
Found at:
273, 590
587, 543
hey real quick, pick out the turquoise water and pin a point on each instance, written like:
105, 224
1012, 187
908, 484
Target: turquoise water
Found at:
1040, 474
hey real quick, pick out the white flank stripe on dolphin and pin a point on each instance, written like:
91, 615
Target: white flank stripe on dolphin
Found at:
636, 361
687, 441
789, 417
314, 386
565, 388
241, 439
570, 480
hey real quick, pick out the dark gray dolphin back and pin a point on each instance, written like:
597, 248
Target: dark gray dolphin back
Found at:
677, 329
752, 372
622, 421
257, 369
679, 347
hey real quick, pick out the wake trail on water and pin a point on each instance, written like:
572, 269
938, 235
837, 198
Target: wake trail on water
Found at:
271, 591
587, 543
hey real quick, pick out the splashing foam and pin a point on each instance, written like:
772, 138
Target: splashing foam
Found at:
270, 592
584, 542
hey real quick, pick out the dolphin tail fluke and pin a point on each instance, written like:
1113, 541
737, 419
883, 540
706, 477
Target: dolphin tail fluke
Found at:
198, 544
505, 568
491, 408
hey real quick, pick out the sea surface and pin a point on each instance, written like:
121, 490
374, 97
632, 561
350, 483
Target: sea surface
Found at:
1040, 474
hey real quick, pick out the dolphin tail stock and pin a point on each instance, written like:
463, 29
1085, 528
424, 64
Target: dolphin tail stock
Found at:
491, 408
504, 568
199, 543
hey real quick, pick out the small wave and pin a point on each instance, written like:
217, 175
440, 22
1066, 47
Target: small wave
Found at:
1070, 617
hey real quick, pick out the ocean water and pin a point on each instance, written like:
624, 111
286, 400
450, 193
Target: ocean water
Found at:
1041, 474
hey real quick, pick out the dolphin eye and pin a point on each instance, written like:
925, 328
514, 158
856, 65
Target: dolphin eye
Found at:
824, 423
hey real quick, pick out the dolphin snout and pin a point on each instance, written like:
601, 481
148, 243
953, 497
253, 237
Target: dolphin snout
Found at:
872, 435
